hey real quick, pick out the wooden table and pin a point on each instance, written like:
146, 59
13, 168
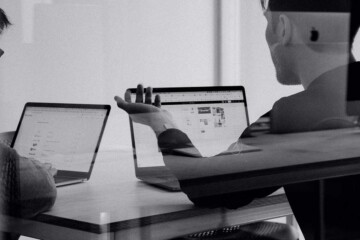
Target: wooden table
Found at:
114, 205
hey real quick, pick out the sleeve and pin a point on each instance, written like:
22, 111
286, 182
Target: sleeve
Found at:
174, 141
185, 161
27, 188
261, 126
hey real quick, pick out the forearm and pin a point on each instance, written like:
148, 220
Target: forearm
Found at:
38, 190
175, 142
27, 187
193, 171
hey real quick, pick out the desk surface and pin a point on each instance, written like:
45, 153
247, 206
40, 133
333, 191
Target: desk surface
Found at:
283, 159
113, 204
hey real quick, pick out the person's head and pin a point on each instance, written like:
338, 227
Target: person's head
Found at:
4, 23
289, 31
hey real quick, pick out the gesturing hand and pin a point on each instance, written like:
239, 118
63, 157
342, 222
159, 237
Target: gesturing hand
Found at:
145, 112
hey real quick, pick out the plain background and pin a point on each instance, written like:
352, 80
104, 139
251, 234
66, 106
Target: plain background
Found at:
81, 51
88, 51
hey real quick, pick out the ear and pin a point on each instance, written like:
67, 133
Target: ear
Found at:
284, 29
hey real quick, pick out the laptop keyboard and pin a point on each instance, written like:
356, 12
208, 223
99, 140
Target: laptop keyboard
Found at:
62, 179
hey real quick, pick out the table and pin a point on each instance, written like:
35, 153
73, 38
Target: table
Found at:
283, 159
114, 205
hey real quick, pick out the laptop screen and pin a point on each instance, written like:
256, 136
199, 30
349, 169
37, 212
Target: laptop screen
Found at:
66, 137
212, 117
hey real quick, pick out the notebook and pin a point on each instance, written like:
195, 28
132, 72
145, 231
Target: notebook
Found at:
67, 136
212, 117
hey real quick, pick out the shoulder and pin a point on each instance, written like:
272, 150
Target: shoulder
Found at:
291, 114
290, 105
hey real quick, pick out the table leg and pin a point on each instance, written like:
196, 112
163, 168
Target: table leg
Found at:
320, 234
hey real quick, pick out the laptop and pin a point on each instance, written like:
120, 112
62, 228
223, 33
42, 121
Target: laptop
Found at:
67, 136
212, 117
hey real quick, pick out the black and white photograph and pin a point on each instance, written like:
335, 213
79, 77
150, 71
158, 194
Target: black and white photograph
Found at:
179, 120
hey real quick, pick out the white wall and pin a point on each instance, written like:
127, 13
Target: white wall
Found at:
257, 69
88, 51
246, 58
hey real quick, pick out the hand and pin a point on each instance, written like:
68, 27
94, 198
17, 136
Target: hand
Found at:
50, 169
145, 112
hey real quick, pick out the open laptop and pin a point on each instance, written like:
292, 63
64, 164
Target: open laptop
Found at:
65, 135
213, 118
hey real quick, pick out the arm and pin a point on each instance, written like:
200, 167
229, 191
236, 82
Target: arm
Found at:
27, 186
183, 159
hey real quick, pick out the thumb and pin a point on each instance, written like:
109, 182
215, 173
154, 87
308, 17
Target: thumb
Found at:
120, 102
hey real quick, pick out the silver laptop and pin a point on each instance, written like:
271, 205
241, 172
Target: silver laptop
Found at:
213, 118
67, 136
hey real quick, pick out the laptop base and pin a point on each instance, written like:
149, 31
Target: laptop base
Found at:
171, 185
60, 182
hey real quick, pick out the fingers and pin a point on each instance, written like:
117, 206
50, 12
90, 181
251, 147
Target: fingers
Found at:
127, 96
125, 103
120, 102
140, 94
157, 102
148, 95
54, 173
48, 166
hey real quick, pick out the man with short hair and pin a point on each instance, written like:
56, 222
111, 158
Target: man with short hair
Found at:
323, 70
300, 57
27, 187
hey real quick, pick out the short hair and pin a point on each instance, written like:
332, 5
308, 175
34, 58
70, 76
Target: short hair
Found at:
4, 21
351, 6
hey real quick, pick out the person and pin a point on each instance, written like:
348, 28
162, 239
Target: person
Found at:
322, 69
27, 186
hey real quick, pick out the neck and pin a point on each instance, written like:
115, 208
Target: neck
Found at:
313, 67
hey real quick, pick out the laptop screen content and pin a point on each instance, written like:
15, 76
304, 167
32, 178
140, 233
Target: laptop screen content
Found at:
212, 119
65, 137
